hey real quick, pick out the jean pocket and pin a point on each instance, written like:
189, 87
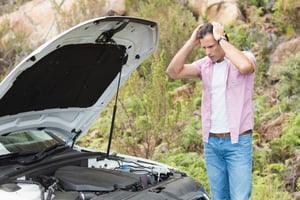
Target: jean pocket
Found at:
245, 141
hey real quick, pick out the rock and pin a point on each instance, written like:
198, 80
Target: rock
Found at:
283, 51
41, 20
222, 11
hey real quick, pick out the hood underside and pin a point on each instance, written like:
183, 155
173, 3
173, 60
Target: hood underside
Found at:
68, 81
71, 76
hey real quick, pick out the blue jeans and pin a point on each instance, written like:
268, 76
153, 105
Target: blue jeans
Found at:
229, 167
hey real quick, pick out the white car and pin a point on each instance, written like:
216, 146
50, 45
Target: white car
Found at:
52, 98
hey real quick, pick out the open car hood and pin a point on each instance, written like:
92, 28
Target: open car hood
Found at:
68, 81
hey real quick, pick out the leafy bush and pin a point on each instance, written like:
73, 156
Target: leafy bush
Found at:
190, 162
268, 186
289, 82
286, 16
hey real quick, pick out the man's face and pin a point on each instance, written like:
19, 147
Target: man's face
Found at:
212, 49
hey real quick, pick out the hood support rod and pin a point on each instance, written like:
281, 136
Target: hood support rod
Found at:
114, 115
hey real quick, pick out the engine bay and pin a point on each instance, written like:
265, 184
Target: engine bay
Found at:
94, 179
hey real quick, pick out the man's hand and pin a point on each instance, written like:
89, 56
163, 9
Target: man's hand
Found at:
218, 30
194, 37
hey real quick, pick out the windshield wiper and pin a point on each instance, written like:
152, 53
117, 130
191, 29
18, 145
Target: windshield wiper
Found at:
9, 155
46, 152
11, 158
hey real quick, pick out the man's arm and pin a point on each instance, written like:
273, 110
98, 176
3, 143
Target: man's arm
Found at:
238, 58
178, 68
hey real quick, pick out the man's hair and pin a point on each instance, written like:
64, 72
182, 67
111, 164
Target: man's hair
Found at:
207, 29
204, 30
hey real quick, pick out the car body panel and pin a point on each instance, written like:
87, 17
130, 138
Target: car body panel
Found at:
67, 82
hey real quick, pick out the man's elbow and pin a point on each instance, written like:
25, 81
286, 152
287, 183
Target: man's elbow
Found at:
170, 74
247, 68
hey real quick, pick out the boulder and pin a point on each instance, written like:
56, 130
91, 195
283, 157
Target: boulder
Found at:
42, 19
222, 11
282, 51
285, 49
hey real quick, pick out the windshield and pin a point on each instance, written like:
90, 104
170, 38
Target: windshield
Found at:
25, 142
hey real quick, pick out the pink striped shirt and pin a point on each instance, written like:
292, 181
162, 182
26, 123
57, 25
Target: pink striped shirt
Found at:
239, 95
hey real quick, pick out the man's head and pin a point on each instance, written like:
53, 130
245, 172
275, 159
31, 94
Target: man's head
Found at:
207, 41
205, 29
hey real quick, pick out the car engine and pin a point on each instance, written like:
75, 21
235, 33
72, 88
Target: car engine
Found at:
104, 179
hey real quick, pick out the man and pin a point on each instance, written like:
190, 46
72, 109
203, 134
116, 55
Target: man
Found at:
227, 76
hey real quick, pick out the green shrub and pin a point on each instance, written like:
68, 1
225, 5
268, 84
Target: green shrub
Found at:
268, 187
286, 16
289, 82
189, 162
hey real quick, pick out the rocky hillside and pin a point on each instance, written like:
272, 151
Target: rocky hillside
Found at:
40, 20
